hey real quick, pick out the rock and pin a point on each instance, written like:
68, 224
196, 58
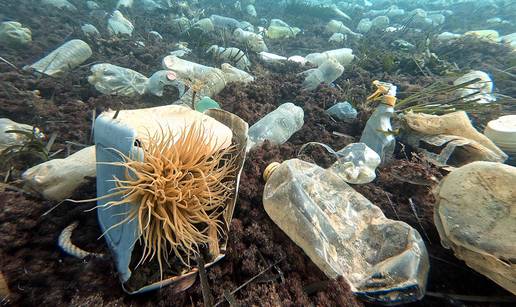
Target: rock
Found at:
475, 216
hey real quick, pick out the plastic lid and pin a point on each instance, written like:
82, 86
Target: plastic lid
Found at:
505, 124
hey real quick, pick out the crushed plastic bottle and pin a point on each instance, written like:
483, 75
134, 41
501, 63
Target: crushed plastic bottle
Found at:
378, 132
159, 79
342, 111
277, 126
327, 72
68, 56
356, 163
344, 234
115, 80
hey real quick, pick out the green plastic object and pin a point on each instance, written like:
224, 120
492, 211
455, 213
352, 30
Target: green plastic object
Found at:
206, 103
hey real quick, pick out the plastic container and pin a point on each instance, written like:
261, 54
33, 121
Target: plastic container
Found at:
378, 132
122, 134
68, 56
344, 234
160, 79
502, 132
327, 72
356, 163
278, 126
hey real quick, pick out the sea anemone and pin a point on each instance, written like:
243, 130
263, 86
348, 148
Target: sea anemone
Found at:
178, 192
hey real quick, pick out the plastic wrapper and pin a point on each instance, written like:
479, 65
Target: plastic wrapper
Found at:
356, 163
456, 123
277, 126
119, 25
474, 215
57, 179
327, 72
68, 56
13, 34
449, 150
115, 80
344, 234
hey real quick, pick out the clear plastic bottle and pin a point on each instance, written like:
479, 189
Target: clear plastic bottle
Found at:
378, 132
277, 126
68, 56
115, 80
344, 234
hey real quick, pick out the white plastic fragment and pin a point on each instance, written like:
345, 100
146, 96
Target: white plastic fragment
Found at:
343, 55
337, 38
251, 40
57, 179
68, 56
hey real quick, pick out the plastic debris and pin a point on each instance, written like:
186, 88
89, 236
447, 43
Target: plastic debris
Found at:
157, 82
119, 25
502, 132
327, 72
276, 127
68, 56
115, 80
342, 111
230, 54
278, 29
474, 214
356, 163
344, 234
121, 134
480, 91
13, 34
209, 80
455, 124
378, 132
250, 40
90, 30
343, 55
8, 139
57, 179
206, 103
60, 4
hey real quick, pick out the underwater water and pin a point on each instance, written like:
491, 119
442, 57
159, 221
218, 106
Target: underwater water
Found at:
426, 87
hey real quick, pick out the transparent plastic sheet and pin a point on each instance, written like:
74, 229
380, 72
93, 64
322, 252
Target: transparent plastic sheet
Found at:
344, 234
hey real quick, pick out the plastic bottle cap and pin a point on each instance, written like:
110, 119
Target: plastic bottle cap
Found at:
389, 100
269, 170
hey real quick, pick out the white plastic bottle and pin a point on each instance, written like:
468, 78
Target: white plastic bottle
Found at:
377, 133
277, 126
